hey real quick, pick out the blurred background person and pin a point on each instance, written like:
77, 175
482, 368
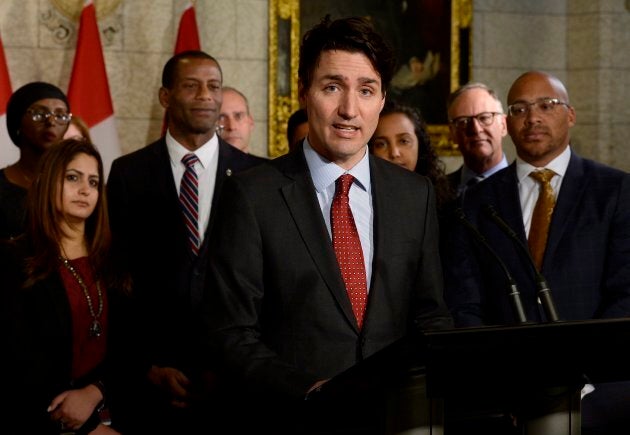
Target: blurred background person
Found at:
58, 284
401, 137
78, 129
236, 123
38, 114
297, 128
477, 126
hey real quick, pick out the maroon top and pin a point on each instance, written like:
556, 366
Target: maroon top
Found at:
87, 351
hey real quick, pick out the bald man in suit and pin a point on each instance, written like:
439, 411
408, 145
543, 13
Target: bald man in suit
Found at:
586, 258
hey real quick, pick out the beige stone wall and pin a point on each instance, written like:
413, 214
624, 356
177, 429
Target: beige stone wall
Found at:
584, 42
138, 37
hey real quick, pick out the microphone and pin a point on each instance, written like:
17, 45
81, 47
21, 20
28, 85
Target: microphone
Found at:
544, 292
513, 293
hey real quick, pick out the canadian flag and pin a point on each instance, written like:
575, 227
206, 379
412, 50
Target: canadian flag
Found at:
9, 153
187, 34
187, 39
88, 92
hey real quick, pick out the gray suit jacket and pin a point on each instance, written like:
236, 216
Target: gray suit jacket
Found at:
276, 305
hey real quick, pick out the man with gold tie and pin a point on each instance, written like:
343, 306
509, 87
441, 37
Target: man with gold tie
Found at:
572, 213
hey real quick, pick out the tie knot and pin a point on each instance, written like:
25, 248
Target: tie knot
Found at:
189, 160
474, 180
343, 184
543, 176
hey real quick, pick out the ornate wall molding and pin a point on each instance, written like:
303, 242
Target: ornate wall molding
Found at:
61, 19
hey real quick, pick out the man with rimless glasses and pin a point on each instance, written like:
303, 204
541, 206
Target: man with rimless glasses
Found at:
582, 240
477, 126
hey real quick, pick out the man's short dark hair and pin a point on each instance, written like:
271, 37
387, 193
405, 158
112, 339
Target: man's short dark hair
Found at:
298, 117
168, 73
352, 34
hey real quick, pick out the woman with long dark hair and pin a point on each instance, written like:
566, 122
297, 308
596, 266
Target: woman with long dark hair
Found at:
402, 138
58, 281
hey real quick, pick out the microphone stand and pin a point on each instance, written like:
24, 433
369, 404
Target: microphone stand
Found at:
544, 292
513, 294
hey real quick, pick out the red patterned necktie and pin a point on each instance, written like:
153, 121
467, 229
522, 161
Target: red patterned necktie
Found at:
189, 201
347, 246
541, 218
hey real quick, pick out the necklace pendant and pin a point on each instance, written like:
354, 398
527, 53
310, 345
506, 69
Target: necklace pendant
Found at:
95, 329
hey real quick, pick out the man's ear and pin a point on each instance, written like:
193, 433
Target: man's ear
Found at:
163, 97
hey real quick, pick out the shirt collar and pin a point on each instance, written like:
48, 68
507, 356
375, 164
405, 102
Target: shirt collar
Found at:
558, 165
204, 153
468, 174
324, 172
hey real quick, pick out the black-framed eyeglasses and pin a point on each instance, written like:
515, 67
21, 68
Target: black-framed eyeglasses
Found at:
543, 105
484, 118
43, 115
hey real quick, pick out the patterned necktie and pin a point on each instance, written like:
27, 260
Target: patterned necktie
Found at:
189, 201
347, 246
541, 218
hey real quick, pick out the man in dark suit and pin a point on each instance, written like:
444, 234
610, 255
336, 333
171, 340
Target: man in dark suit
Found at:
477, 126
280, 307
150, 228
586, 258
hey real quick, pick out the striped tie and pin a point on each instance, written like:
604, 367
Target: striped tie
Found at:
188, 199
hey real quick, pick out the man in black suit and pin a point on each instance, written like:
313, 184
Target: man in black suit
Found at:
150, 229
477, 126
278, 302
586, 258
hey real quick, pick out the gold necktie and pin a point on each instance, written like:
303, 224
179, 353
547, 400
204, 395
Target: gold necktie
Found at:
541, 218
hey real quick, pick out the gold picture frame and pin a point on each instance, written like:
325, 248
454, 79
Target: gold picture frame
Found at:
284, 43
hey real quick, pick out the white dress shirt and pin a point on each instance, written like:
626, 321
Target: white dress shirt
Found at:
528, 188
206, 168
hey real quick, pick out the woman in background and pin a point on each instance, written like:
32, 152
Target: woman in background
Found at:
58, 281
38, 115
78, 129
401, 137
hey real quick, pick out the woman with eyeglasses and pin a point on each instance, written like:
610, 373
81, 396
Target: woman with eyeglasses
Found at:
38, 115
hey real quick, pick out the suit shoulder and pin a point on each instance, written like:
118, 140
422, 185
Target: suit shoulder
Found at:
139, 154
236, 158
383, 168
594, 168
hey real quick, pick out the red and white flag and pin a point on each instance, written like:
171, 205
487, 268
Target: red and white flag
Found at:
187, 34
187, 39
88, 92
9, 153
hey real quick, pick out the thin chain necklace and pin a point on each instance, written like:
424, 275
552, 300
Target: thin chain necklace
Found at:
95, 327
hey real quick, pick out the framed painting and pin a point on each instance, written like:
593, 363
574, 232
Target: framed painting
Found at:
431, 39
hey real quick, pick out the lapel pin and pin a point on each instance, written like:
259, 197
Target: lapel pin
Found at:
228, 172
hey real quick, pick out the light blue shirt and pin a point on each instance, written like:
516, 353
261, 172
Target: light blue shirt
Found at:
324, 174
468, 174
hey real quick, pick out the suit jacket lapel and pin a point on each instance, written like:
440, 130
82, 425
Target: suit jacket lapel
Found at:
383, 234
302, 203
224, 170
166, 188
571, 192
508, 203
